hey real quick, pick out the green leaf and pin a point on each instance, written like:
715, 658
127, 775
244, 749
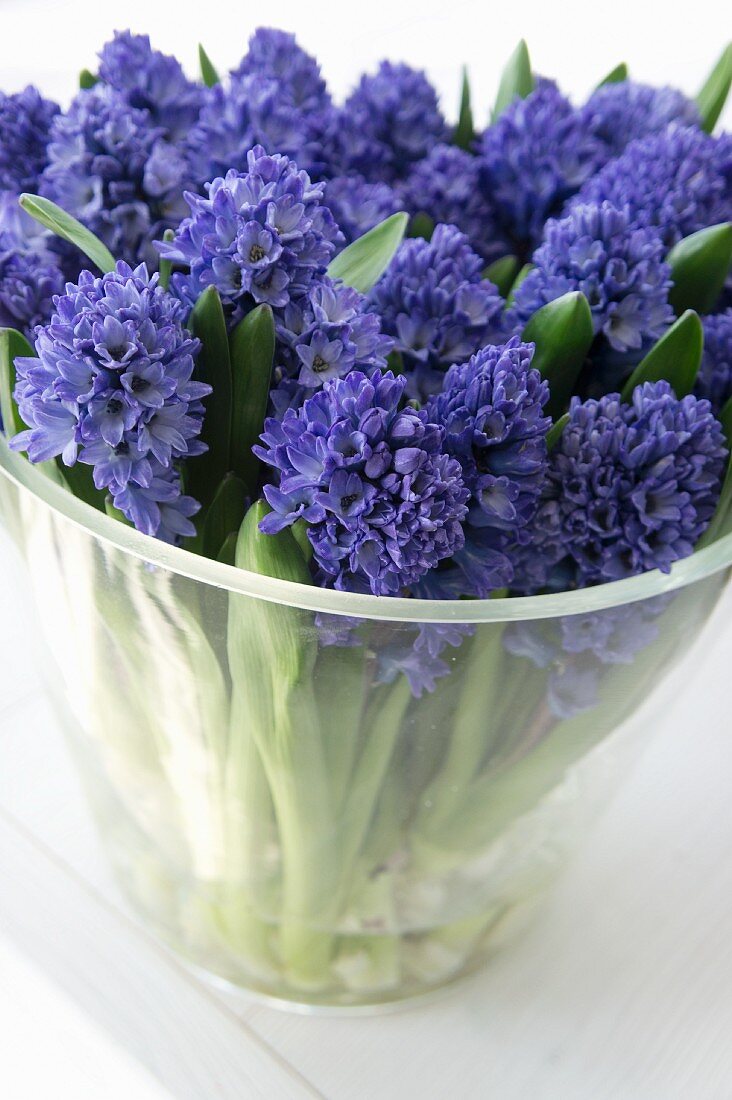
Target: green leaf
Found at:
209, 76
464, 135
517, 80
12, 344
421, 225
166, 266
720, 520
362, 264
227, 553
276, 556
87, 79
69, 229
225, 515
699, 265
675, 358
80, 481
525, 270
252, 352
615, 76
713, 96
207, 471
555, 432
502, 273
300, 534
563, 332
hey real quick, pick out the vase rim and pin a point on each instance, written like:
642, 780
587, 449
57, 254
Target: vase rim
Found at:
703, 563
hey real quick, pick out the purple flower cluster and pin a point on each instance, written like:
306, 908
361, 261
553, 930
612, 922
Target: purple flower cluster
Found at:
358, 206
382, 501
715, 373
446, 186
418, 656
325, 335
435, 304
258, 236
537, 155
152, 81
630, 488
619, 268
275, 55
111, 386
677, 182
391, 120
492, 411
25, 124
30, 273
619, 113
110, 167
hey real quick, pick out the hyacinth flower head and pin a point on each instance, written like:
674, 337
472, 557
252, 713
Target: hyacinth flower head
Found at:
714, 380
677, 182
391, 120
259, 236
533, 158
111, 386
110, 168
492, 411
631, 487
30, 273
437, 307
25, 125
326, 334
358, 205
445, 185
382, 502
275, 55
619, 113
151, 80
619, 268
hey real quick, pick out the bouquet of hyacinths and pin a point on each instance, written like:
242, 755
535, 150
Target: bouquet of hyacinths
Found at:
434, 386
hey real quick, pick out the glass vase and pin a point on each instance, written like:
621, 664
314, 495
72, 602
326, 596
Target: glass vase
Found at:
331, 799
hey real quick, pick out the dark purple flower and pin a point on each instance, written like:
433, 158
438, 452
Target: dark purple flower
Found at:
446, 187
619, 268
30, 274
390, 120
275, 55
258, 236
491, 409
676, 182
619, 113
538, 154
112, 387
358, 206
151, 80
715, 373
110, 167
325, 335
630, 488
382, 502
25, 124
437, 307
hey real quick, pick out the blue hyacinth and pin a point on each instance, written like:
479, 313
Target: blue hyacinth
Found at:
259, 236
358, 206
631, 487
676, 182
619, 113
437, 307
30, 273
537, 155
492, 410
714, 380
382, 502
25, 125
446, 186
275, 55
110, 167
111, 386
620, 269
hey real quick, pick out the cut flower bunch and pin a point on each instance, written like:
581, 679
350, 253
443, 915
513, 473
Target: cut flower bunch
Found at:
358, 347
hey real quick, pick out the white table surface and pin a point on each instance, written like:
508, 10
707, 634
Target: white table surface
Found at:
624, 990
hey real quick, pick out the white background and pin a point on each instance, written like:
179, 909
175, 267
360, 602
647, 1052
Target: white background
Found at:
662, 853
